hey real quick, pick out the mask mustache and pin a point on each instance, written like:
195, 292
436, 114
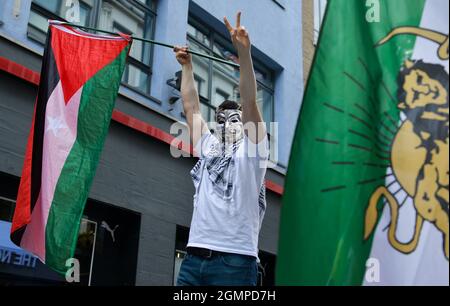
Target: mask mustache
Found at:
230, 133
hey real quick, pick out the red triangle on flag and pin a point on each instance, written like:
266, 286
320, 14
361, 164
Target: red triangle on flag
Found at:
79, 56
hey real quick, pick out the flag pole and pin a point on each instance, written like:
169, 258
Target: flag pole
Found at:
155, 43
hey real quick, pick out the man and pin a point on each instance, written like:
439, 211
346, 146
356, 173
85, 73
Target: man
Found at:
229, 202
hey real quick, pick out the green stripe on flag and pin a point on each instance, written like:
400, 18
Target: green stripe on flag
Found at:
96, 107
341, 149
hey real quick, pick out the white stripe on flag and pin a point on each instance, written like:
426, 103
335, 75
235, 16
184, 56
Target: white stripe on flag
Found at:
427, 265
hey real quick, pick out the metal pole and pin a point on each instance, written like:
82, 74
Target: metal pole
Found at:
155, 43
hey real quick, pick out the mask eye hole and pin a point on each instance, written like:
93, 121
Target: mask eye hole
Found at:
234, 118
220, 118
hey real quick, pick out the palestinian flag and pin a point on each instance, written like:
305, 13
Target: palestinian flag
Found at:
80, 78
367, 189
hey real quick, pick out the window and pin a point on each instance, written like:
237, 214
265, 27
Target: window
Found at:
218, 82
107, 246
266, 275
6, 209
221, 95
20, 267
179, 257
42, 10
181, 241
136, 17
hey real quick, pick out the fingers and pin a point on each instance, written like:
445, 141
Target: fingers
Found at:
183, 55
227, 24
238, 20
181, 50
238, 30
242, 31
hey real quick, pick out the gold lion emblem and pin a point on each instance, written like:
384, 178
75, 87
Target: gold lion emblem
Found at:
420, 150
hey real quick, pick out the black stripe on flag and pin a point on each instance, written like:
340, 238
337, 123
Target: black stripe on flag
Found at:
49, 80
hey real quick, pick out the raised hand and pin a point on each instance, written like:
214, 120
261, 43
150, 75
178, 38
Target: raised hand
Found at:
239, 35
182, 55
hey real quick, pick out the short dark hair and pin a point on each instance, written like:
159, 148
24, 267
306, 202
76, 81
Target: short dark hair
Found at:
228, 104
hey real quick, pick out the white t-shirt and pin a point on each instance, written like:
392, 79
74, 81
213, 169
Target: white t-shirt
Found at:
233, 225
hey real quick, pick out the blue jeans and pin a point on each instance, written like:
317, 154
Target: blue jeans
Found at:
223, 269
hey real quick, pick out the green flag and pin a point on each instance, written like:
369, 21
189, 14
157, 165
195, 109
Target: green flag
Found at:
367, 182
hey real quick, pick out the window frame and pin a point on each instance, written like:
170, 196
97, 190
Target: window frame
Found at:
137, 63
12, 206
93, 20
44, 12
214, 38
148, 69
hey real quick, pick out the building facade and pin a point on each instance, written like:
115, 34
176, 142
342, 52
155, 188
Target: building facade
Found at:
136, 221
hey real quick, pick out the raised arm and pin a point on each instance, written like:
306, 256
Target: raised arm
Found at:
247, 85
189, 95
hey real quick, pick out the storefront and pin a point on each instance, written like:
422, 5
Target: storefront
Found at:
107, 246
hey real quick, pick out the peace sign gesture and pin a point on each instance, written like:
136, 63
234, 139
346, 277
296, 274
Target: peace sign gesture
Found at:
239, 35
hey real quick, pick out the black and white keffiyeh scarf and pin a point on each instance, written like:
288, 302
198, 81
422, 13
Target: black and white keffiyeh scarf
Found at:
221, 172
